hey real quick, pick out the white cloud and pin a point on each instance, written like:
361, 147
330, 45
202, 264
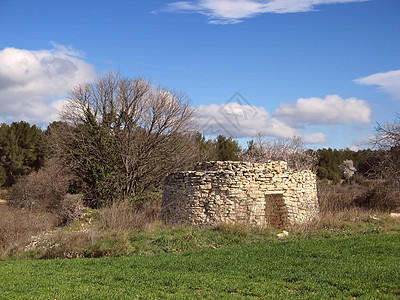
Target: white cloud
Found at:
332, 110
361, 142
34, 82
233, 11
241, 121
315, 138
66, 50
388, 82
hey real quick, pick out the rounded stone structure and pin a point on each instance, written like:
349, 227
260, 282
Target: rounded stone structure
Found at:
261, 194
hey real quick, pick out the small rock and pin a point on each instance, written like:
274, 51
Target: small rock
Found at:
395, 215
282, 234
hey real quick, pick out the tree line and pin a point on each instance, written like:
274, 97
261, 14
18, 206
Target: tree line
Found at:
25, 148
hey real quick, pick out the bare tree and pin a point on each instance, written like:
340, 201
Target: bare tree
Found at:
387, 138
291, 150
122, 136
388, 134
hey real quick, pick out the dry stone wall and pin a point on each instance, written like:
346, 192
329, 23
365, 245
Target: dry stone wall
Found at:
261, 194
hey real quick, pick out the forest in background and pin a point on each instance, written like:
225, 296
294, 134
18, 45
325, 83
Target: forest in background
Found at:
24, 148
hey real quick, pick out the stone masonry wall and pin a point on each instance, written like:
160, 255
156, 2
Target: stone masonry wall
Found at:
261, 194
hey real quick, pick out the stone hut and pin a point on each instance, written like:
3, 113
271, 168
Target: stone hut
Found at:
260, 194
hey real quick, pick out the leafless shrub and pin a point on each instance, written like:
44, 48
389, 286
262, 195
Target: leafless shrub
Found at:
291, 150
376, 195
380, 197
70, 208
123, 215
42, 190
338, 198
46, 191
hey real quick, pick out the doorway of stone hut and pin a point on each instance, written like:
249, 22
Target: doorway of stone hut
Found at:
275, 211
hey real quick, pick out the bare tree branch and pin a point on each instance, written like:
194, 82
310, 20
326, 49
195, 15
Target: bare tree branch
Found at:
290, 150
387, 138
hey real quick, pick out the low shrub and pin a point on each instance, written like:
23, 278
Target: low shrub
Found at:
46, 191
42, 190
338, 198
368, 194
123, 215
380, 197
70, 208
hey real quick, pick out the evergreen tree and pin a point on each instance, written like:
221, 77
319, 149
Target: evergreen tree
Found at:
226, 148
206, 148
222, 148
21, 149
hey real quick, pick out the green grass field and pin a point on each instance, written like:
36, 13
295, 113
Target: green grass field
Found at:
363, 265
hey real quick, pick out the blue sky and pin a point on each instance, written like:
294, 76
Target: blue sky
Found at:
325, 70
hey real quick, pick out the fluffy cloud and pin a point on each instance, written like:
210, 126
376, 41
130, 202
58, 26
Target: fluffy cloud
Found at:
388, 82
33, 83
240, 121
332, 110
233, 11
315, 138
361, 142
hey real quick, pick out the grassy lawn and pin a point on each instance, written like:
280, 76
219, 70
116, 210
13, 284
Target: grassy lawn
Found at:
347, 267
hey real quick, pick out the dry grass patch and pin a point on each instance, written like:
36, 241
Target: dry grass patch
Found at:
337, 198
17, 226
375, 195
122, 215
